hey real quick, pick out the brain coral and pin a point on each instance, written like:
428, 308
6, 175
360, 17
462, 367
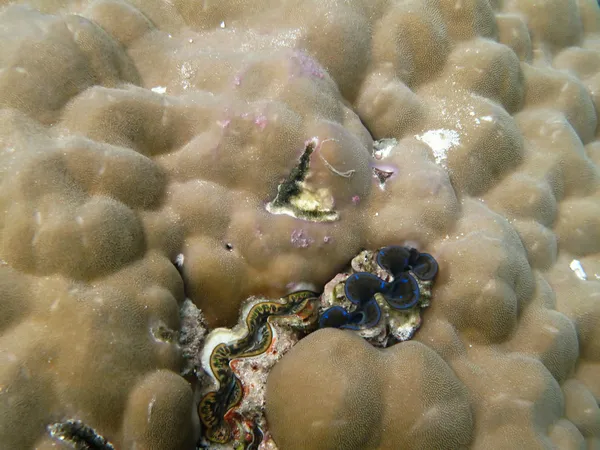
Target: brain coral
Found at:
155, 151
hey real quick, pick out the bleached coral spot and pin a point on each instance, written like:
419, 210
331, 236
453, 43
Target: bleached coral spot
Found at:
578, 269
179, 260
440, 141
383, 147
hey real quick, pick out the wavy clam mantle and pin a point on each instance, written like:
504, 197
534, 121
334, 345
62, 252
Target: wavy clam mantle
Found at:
383, 296
238, 361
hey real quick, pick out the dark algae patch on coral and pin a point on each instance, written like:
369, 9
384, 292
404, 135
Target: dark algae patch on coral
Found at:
79, 435
298, 200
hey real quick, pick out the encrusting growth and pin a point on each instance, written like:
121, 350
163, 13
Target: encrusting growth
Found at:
296, 199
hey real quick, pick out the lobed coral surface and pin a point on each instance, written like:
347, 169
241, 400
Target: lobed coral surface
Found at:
155, 151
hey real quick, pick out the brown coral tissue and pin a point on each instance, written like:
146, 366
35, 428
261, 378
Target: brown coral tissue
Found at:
162, 161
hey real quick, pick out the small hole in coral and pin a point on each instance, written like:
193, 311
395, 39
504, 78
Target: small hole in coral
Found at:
163, 334
229, 246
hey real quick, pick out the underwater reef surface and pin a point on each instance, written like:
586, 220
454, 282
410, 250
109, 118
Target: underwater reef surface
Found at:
161, 162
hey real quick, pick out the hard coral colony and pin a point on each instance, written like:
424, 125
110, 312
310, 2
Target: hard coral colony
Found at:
181, 181
382, 294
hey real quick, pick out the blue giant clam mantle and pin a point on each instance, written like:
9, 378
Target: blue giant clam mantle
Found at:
383, 296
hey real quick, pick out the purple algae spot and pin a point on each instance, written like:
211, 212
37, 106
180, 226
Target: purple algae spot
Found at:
308, 65
261, 122
300, 239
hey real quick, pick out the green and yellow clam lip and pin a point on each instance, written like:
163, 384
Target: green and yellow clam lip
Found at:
237, 361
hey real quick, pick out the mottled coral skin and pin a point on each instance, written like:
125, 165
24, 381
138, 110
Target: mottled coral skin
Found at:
135, 134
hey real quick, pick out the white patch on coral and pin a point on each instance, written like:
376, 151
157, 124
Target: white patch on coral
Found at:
179, 259
383, 147
186, 71
578, 269
150, 408
287, 38
55, 304
440, 141
300, 286
159, 89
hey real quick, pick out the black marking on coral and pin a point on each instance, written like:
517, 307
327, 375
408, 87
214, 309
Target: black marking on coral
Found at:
382, 175
79, 435
290, 187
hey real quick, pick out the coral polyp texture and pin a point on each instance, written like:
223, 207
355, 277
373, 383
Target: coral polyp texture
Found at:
161, 162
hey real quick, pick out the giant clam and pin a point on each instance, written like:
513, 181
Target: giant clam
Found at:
379, 297
238, 361
382, 296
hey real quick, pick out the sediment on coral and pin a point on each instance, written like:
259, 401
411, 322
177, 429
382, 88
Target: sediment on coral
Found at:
139, 134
